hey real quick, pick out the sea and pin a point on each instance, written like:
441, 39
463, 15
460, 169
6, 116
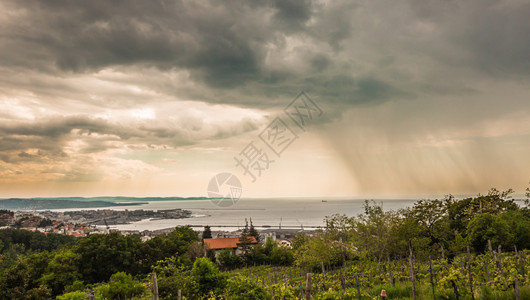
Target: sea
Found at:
307, 214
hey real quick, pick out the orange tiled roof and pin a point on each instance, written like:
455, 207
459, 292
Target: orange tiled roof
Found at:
222, 243
77, 234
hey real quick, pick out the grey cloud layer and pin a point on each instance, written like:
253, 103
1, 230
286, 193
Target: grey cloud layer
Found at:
243, 47
50, 136
76, 59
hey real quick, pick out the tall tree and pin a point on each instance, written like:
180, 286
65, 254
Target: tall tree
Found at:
207, 233
253, 232
245, 240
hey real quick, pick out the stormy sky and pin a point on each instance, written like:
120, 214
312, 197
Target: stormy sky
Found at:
153, 98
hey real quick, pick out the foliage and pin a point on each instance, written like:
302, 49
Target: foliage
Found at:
253, 232
228, 259
162, 246
173, 275
313, 252
101, 255
32, 241
243, 288
207, 275
45, 223
207, 233
368, 252
62, 270
506, 229
17, 281
77, 295
120, 286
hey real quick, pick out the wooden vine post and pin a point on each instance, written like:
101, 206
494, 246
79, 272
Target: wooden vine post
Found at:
390, 275
517, 296
486, 267
412, 276
358, 287
499, 266
155, 286
521, 261
362, 272
308, 287
432, 278
470, 274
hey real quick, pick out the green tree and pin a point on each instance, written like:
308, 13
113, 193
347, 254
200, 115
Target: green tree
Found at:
207, 275
173, 275
101, 255
245, 241
33, 241
45, 222
315, 251
486, 227
240, 288
207, 233
62, 270
374, 231
76, 295
281, 256
461, 212
121, 286
15, 281
175, 243
426, 225
228, 260
518, 224
39, 293
254, 232
21, 280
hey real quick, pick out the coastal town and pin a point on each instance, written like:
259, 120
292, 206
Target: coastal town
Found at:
84, 222
81, 223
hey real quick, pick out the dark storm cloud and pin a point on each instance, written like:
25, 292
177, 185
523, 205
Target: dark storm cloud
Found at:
257, 54
89, 87
222, 45
210, 39
293, 13
497, 36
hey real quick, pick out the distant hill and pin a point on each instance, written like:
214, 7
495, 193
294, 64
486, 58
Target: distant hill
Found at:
59, 203
121, 198
117, 198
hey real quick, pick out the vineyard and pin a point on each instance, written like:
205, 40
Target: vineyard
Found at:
494, 275
473, 248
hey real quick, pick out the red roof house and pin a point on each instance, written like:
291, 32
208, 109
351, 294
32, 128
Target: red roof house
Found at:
223, 243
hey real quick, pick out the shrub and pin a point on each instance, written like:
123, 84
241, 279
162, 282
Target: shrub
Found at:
243, 288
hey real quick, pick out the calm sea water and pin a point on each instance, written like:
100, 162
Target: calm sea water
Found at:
292, 213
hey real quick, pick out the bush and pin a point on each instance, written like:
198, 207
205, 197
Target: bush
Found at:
228, 260
77, 295
207, 275
243, 288
120, 286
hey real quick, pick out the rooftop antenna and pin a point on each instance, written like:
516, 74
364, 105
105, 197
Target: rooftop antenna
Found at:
280, 223
301, 225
